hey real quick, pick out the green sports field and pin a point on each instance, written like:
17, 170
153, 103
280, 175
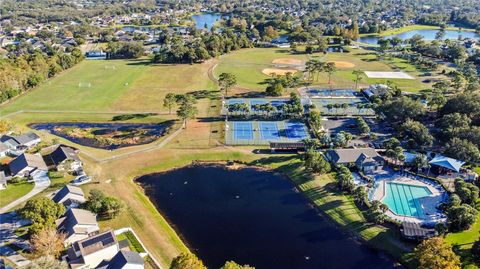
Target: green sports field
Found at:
114, 85
248, 64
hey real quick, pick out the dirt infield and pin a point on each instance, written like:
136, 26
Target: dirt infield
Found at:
277, 71
341, 64
287, 61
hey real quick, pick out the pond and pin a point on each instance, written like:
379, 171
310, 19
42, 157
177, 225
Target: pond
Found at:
106, 135
253, 217
428, 34
280, 39
207, 19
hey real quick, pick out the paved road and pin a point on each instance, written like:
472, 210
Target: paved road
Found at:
40, 185
8, 223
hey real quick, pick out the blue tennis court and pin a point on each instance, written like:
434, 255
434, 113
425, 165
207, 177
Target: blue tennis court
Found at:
296, 130
264, 132
269, 131
333, 93
243, 130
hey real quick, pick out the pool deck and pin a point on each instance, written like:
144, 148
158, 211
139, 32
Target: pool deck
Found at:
432, 215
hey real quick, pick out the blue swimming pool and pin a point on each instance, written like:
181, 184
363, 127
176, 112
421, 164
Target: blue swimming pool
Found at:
405, 199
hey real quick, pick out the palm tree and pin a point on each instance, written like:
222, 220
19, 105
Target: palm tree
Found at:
319, 67
358, 77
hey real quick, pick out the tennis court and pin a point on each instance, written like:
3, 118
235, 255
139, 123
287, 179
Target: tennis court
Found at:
264, 132
251, 102
334, 93
353, 106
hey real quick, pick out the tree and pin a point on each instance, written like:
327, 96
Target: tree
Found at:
42, 212
46, 262
461, 217
417, 132
463, 150
345, 179
419, 162
5, 126
402, 109
376, 212
358, 77
226, 81
234, 265
467, 192
187, 109
330, 69
275, 89
169, 101
360, 195
47, 242
435, 253
316, 163
105, 206
187, 261
476, 251
362, 126
315, 119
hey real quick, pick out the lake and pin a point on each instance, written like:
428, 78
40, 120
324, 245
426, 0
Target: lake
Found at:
105, 135
252, 217
428, 34
206, 18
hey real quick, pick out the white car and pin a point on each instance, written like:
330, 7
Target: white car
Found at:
80, 180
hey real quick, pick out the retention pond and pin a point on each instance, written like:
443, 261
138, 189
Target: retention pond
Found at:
252, 217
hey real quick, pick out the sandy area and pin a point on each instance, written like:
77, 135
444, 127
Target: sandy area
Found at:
341, 64
277, 71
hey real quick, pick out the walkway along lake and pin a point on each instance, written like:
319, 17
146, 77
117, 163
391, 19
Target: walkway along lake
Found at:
428, 34
252, 217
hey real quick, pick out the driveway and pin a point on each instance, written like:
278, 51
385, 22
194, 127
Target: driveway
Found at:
41, 183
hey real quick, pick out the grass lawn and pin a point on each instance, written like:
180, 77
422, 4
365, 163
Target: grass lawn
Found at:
133, 85
463, 241
13, 192
248, 64
133, 243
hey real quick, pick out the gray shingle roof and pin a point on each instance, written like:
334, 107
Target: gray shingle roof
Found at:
27, 160
124, 257
343, 156
67, 189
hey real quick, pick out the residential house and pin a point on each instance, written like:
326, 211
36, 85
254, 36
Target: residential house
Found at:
27, 140
91, 252
70, 196
124, 259
77, 224
28, 165
64, 158
365, 159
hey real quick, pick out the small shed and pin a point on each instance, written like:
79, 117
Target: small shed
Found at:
287, 146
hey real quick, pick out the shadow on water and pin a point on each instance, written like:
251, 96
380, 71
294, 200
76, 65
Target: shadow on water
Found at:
253, 217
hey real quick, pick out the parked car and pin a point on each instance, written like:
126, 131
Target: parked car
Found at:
80, 180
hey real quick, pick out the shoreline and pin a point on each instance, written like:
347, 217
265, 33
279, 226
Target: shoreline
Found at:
238, 164
414, 27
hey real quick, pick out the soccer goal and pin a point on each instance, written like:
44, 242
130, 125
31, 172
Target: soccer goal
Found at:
84, 85
110, 67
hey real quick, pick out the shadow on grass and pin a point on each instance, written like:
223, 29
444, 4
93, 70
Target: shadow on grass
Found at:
125, 117
201, 94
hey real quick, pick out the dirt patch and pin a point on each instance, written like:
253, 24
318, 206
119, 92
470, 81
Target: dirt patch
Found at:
341, 64
289, 61
278, 71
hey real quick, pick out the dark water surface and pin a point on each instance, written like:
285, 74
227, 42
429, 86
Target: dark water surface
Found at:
428, 34
252, 217
153, 131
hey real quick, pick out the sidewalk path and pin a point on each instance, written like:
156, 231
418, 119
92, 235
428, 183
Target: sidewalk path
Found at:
40, 185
